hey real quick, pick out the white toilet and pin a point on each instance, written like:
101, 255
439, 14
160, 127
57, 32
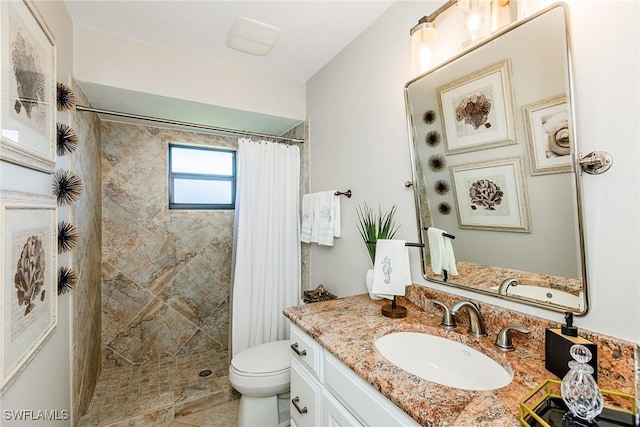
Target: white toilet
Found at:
262, 375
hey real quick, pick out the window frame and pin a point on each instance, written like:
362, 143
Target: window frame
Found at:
200, 176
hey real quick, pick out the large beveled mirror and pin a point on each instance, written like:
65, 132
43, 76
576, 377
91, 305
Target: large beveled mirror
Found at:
494, 156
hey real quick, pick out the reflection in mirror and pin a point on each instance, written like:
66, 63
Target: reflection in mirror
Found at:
494, 165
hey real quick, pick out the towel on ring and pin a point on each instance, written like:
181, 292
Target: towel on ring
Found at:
391, 270
320, 218
326, 201
441, 250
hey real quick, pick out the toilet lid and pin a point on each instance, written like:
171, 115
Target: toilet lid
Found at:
264, 358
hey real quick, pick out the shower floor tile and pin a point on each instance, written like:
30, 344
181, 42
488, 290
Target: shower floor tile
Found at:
158, 392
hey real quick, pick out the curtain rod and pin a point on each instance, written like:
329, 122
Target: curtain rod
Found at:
188, 124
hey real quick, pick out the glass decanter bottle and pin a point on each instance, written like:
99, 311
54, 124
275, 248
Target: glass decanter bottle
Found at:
579, 390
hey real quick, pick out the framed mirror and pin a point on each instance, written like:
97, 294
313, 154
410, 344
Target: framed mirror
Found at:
494, 164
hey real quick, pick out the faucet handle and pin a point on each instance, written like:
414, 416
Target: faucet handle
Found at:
447, 318
503, 340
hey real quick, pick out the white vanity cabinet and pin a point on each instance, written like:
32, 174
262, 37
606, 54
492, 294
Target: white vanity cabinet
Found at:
325, 392
307, 377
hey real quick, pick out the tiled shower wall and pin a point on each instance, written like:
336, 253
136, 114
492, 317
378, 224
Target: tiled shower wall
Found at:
166, 273
86, 215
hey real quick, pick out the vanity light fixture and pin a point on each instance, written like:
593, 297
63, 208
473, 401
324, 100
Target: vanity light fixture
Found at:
480, 17
423, 40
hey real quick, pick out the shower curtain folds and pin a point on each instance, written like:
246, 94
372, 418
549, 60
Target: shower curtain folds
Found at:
266, 272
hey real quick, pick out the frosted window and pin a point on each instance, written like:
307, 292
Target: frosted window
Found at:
201, 177
198, 191
202, 161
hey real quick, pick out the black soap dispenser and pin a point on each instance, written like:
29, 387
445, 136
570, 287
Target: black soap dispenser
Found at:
558, 343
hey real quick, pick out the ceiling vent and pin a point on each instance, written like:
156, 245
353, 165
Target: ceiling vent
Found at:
252, 37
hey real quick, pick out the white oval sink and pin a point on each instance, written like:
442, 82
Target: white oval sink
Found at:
443, 361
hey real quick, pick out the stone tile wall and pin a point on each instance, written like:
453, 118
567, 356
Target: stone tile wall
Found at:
86, 215
166, 273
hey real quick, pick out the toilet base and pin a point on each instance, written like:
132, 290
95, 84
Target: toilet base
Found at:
269, 411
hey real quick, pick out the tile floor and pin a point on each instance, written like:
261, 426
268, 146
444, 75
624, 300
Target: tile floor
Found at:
163, 393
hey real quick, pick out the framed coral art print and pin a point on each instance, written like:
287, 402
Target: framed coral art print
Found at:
491, 195
29, 276
548, 135
28, 87
477, 110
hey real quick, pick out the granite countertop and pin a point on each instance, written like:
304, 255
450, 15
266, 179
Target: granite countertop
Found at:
348, 327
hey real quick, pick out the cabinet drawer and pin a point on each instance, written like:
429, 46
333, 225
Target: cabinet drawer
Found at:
361, 398
307, 351
306, 397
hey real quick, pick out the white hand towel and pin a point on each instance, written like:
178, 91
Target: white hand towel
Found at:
326, 202
441, 250
391, 270
337, 228
306, 216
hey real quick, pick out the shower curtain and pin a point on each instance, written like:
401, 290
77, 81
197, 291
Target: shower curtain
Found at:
266, 272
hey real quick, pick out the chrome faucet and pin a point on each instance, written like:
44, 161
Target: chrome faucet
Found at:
503, 340
447, 319
504, 286
476, 322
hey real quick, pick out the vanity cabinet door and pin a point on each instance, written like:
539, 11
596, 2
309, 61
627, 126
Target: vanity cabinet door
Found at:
361, 398
306, 397
334, 414
308, 352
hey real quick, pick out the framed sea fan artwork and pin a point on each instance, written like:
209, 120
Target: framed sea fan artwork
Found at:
29, 280
478, 110
491, 195
27, 49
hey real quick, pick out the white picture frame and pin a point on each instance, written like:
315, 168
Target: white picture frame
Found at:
491, 195
548, 133
28, 121
28, 300
478, 110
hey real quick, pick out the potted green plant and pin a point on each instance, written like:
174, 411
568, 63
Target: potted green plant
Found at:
373, 227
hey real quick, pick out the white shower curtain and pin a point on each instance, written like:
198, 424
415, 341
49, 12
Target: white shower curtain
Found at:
266, 268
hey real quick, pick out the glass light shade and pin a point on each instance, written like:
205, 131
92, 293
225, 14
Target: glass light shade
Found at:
475, 21
502, 13
423, 45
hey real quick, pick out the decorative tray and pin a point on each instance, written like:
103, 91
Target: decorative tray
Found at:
317, 294
544, 407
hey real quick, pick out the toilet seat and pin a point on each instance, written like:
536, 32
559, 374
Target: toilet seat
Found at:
266, 359
263, 370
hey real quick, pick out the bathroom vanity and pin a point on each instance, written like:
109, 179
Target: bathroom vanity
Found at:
320, 383
343, 380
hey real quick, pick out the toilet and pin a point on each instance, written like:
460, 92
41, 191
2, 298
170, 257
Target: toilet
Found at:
262, 375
